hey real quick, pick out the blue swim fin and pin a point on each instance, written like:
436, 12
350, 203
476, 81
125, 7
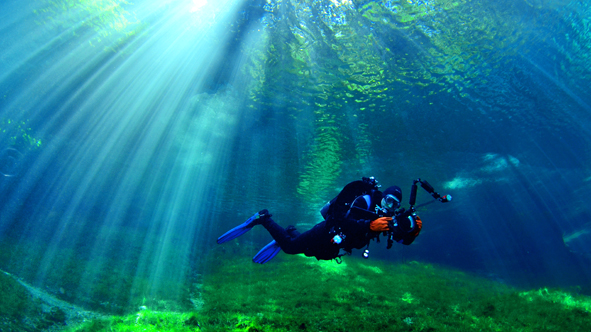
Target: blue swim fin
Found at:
239, 230
267, 253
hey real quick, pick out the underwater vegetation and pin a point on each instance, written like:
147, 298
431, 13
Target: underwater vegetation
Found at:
295, 293
115, 290
109, 25
20, 311
359, 295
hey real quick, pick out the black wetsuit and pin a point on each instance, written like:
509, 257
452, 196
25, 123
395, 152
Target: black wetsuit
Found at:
339, 220
317, 241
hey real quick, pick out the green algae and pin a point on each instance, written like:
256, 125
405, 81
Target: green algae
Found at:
21, 311
13, 297
294, 293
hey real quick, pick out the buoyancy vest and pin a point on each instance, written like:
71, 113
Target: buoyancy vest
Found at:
350, 201
367, 207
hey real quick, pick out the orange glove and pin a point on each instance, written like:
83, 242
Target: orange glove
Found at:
419, 222
419, 226
380, 224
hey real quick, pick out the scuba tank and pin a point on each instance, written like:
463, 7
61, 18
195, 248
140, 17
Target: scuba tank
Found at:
339, 207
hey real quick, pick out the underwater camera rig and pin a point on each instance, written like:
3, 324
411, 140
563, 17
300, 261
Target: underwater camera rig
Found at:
403, 213
399, 216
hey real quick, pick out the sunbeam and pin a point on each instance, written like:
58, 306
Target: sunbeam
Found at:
143, 135
152, 150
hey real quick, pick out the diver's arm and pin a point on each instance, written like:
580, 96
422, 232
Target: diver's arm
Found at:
356, 226
366, 228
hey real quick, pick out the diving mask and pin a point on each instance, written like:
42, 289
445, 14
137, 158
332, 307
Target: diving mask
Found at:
390, 202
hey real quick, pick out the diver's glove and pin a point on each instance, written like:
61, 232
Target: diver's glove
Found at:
380, 224
419, 226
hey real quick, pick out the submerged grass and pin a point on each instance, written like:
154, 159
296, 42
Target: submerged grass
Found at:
301, 294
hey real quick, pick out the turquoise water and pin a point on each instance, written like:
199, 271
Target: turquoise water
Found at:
134, 134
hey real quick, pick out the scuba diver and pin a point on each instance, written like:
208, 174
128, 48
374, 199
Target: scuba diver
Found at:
358, 214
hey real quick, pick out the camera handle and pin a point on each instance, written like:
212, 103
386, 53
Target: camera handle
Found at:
429, 188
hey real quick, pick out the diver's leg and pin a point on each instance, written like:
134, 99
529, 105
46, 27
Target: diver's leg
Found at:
290, 240
280, 235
